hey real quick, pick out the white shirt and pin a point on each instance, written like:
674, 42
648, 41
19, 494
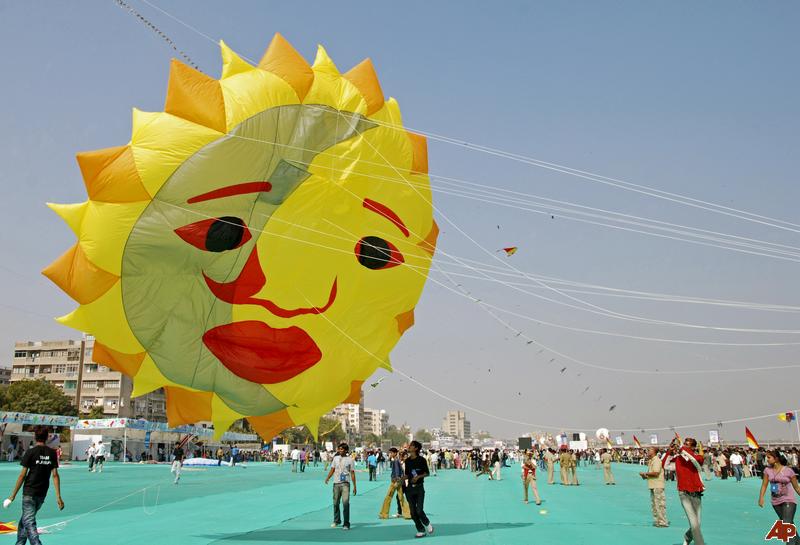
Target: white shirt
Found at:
295, 454
101, 450
735, 459
91, 451
342, 466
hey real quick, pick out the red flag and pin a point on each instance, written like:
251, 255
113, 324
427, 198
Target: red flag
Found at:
751, 439
636, 442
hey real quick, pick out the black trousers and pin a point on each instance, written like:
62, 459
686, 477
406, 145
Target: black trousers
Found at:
416, 504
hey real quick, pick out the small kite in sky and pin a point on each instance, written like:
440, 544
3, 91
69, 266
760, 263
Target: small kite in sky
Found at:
552, 360
563, 369
375, 384
511, 250
529, 342
585, 390
612, 408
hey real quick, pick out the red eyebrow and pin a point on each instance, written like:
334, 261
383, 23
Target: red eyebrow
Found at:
238, 189
387, 213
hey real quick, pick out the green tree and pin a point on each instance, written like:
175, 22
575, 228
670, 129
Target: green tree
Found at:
371, 440
423, 436
96, 412
331, 430
36, 396
395, 436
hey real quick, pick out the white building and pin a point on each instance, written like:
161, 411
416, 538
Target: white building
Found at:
456, 424
375, 421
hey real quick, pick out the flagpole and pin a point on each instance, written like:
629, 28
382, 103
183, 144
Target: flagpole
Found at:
797, 424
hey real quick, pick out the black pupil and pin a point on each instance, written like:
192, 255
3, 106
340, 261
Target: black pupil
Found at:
374, 252
224, 234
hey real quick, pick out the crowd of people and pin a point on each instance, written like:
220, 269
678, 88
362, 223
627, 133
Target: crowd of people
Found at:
685, 462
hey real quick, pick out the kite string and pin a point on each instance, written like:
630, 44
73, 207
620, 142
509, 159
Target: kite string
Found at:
542, 322
603, 311
124, 5
63, 523
732, 245
513, 421
620, 184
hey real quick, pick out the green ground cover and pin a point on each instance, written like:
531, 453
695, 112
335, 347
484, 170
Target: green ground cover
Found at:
138, 504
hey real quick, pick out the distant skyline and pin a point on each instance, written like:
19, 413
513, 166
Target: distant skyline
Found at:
694, 99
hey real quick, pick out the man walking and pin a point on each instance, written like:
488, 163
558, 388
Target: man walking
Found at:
495, 462
38, 463
372, 465
573, 468
344, 469
690, 486
100, 456
177, 461
736, 465
605, 459
395, 487
295, 459
416, 471
655, 482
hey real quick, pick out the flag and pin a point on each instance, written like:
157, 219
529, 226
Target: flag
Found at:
751, 439
678, 437
608, 442
510, 250
8, 528
636, 442
787, 417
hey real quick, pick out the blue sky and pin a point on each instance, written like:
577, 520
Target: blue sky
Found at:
697, 99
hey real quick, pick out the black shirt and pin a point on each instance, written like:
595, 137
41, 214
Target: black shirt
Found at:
178, 454
415, 466
40, 460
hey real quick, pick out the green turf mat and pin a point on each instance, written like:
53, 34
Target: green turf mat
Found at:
270, 504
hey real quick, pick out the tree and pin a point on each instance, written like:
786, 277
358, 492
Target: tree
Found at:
36, 396
423, 436
96, 412
331, 430
371, 439
395, 436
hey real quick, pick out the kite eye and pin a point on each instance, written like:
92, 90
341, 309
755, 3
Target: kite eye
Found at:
215, 234
376, 253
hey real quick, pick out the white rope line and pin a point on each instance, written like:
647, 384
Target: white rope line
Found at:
621, 184
511, 420
519, 315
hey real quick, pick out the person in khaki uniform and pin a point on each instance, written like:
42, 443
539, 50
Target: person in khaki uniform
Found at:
564, 460
529, 479
605, 460
550, 460
573, 468
655, 482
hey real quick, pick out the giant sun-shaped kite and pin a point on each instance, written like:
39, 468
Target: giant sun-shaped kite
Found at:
258, 248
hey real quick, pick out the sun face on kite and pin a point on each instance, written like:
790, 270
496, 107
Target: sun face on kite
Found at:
258, 248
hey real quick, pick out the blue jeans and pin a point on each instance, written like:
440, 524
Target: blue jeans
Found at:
737, 471
27, 531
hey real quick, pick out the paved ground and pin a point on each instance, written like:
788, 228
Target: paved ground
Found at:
136, 504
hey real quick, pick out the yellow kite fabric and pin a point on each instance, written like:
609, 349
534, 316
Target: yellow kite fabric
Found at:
257, 249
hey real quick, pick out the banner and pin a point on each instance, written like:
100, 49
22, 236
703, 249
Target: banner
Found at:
619, 440
713, 437
654, 439
40, 419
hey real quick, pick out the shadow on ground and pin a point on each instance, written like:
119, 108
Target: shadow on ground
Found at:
360, 533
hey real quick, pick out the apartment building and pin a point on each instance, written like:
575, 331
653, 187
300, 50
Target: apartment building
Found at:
375, 421
69, 365
455, 424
